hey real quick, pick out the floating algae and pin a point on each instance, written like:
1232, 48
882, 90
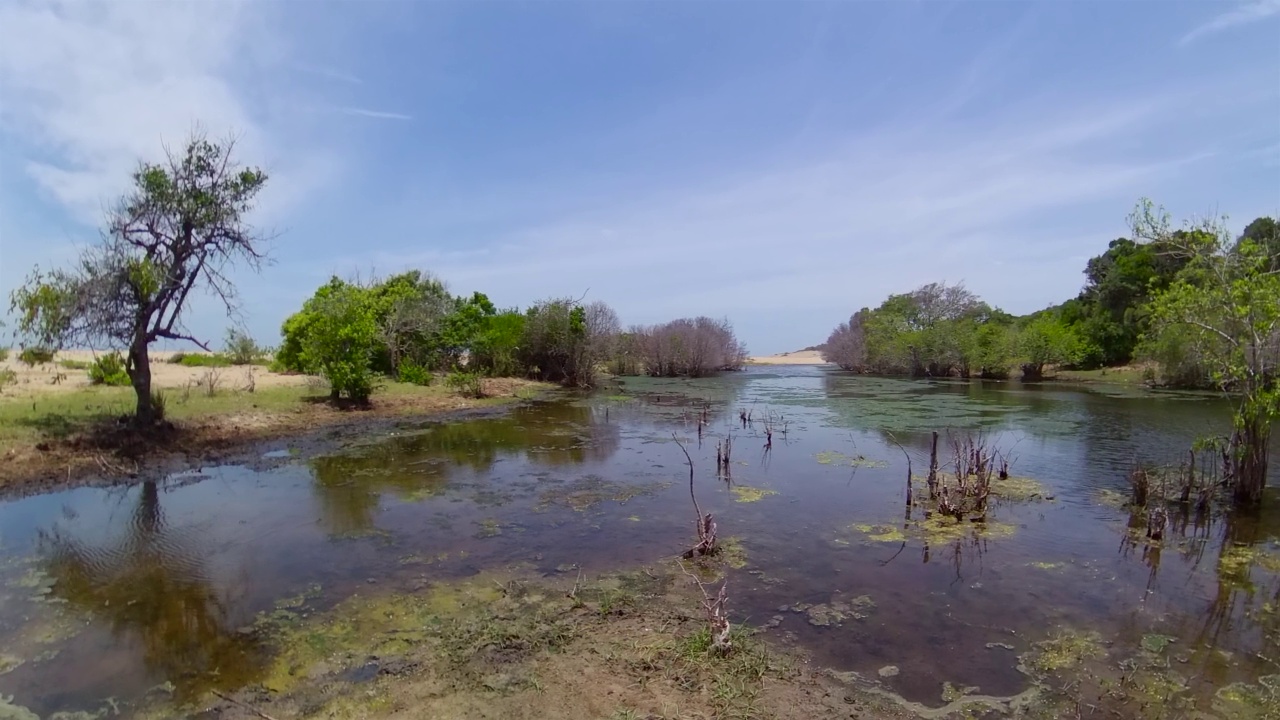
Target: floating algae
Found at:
9, 663
1065, 650
1237, 560
587, 492
881, 533
1248, 701
836, 611
1040, 565
1111, 498
746, 494
1156, 643
733, 553
9, 711
941, 528
935, 529
829, 457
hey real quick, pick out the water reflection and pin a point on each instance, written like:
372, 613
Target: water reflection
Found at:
167, 606
415, 466
151, 586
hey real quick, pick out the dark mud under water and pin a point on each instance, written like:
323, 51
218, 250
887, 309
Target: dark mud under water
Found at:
108, 595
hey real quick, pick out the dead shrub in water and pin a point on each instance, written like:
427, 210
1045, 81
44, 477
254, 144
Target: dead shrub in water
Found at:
974, 464
706, 524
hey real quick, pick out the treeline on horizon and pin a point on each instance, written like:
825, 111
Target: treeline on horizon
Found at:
410, 327
941, 330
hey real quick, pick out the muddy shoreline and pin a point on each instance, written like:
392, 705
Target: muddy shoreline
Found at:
107, 457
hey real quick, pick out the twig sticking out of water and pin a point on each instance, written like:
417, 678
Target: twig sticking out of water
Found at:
706, 525
907, 455
933, 467
717, 619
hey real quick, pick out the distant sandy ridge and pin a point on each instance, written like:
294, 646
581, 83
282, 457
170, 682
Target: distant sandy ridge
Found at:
800, 357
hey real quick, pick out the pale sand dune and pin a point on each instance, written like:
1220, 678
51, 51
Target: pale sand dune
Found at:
800, 357
41, 378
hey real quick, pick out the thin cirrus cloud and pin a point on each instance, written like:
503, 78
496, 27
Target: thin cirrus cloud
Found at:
1244, 13
375, 114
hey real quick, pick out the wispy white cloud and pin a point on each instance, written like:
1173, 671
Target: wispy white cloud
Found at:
89, 89
819, 238
1243, 13
376, 114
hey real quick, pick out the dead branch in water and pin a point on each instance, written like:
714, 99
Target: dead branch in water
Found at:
933, 468
907, 455
717, 619
706, 525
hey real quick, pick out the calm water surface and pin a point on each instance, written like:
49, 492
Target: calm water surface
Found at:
114, 594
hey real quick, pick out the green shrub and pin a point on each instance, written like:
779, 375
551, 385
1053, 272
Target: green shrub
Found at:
158, 403
109, 370
415, 374
341, 341
241, 349
75, 364
205, 361
35, 356
177, 358
468, 384
4, 354
7, 377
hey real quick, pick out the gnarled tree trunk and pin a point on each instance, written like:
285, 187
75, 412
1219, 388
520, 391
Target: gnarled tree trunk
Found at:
140, 373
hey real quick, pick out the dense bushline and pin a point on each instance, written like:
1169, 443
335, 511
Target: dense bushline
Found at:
408, 326
940, 330
692, 347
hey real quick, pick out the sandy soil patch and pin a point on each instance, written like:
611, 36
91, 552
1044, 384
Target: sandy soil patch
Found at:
800, 357
53, 377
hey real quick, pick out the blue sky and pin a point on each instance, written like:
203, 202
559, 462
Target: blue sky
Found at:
782, 164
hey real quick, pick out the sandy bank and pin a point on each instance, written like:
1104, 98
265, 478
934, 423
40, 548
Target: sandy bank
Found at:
54, 377
800, 357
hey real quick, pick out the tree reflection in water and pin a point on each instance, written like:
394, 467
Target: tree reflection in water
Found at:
151, 586
348, 487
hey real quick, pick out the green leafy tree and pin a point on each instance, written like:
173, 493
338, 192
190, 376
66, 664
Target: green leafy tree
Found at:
1046, 340
1265, 233
495, 350
1111, 312
463, 327
342, 339
1224, 307
179, 229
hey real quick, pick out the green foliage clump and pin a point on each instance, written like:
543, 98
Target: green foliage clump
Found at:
4, 354
110, 370
1046, 340
7, 377
468, 384
33, 356
241, 348
495, 349
159, 404
415, 374
1222, 313
341, 340
202, 360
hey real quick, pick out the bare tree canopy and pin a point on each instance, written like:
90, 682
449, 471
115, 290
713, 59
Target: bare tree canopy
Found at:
180, 228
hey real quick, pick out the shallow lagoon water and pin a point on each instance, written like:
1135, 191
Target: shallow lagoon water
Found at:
109, 595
